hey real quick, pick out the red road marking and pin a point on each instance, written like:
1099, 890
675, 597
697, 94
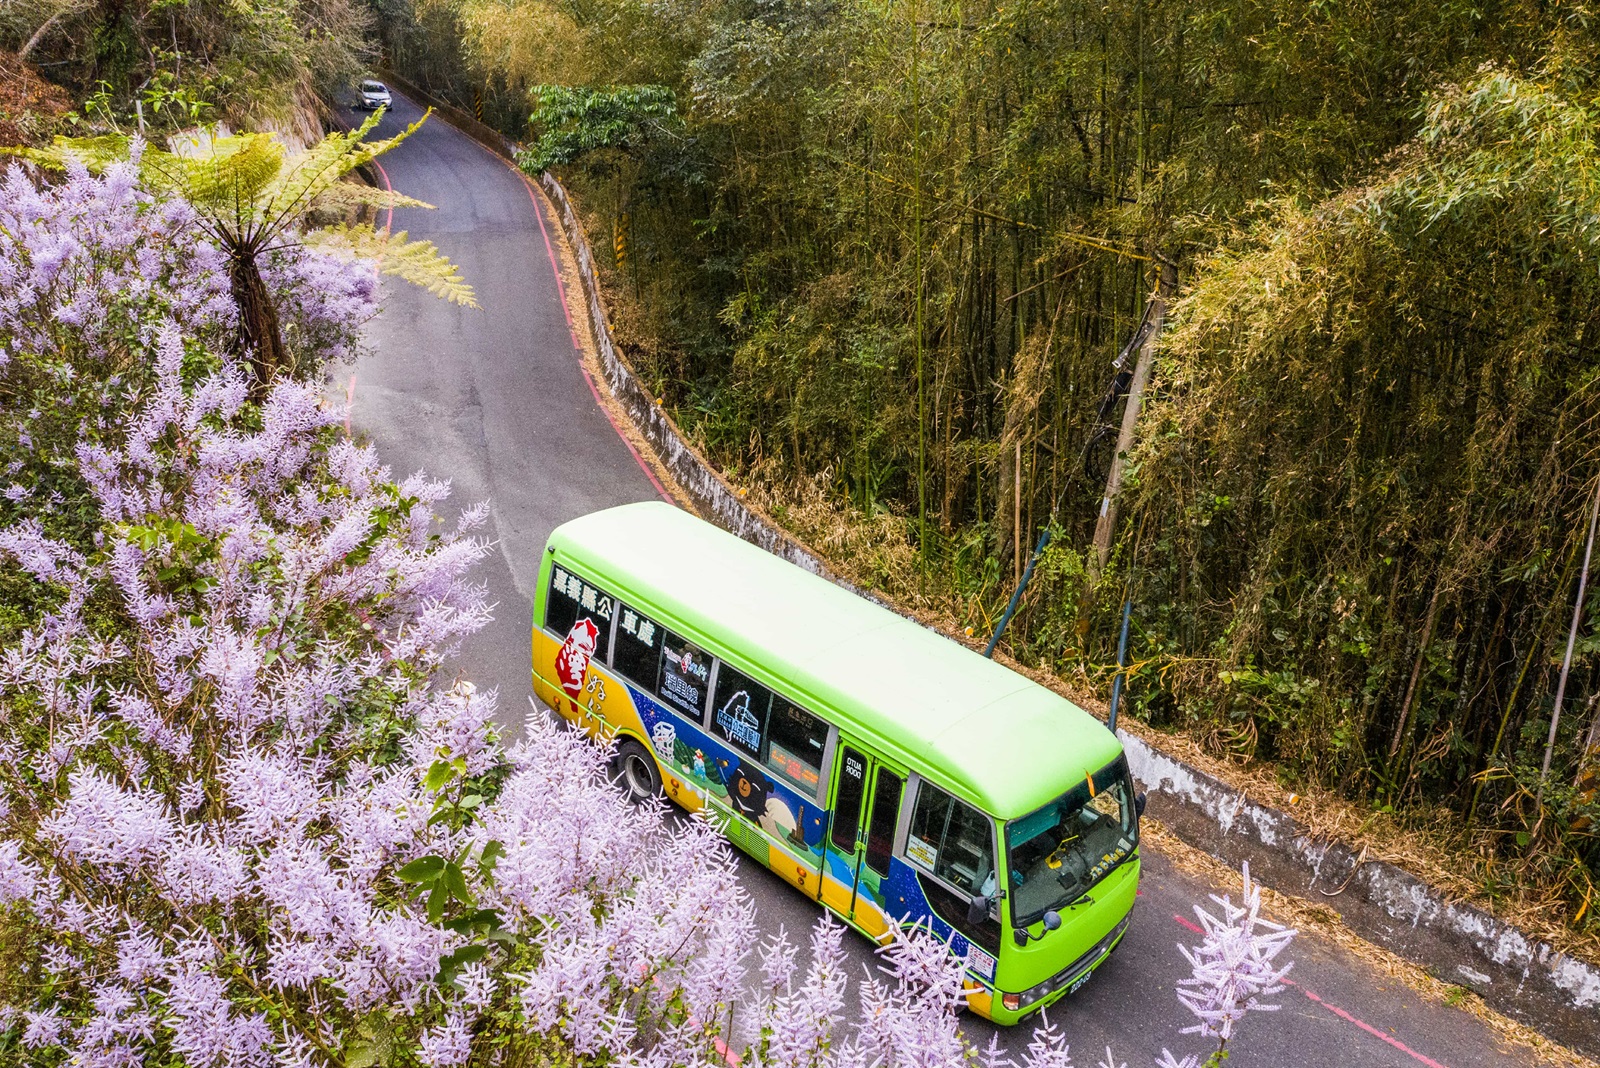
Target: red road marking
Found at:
1368, 1028
549, 250
651, 475
388, 219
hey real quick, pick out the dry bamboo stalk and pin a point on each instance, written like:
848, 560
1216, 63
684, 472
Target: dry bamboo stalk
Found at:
1016, 518
1416, 673
1566, 659
1106, 524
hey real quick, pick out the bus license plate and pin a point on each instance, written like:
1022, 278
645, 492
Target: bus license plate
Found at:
1079, 981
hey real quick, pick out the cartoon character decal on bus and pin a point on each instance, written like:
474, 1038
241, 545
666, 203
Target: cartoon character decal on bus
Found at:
572, 662
748, 789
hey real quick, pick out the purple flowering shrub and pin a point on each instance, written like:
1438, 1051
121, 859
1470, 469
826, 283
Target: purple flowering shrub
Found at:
91, 264
87, 264
92, 268
213, 743
239, 824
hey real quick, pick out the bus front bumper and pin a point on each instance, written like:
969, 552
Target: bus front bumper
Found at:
1007, 1009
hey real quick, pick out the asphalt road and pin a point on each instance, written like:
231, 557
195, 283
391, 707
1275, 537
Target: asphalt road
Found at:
496, 401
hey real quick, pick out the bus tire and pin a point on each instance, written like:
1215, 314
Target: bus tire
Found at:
634, 769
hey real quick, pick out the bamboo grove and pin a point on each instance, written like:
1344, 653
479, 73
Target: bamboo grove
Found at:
891, 249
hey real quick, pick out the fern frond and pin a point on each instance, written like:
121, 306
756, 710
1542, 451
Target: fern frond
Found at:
95, 153
349, 195
229, 179
417, 262
311, 173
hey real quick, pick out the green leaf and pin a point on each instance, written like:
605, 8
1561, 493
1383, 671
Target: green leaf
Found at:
486, 919
467, 955
492, 852
450, 966
456, 883
422, 870
439, 775
418, 262
438, 898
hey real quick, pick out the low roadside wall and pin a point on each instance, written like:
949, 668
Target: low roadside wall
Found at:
1458, 943
1519, 976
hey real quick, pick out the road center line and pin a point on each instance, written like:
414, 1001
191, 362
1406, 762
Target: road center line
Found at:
1347, 1017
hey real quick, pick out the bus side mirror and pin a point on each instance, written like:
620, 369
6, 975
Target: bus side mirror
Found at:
977, 909
1052, 920
1138, 803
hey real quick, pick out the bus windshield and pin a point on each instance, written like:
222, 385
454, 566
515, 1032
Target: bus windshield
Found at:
1058, 852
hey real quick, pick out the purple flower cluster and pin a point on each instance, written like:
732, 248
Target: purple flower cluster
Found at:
323, 300
1234, 965
87, 261
198, 831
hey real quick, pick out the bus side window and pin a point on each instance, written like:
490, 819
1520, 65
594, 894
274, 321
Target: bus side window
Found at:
685, 678
638, 653
739, 714
952, 840
796, 742
572, 600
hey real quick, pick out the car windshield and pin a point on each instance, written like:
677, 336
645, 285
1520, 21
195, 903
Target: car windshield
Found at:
373, 87
1057, 853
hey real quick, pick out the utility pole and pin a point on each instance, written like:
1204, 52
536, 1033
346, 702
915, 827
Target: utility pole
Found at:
1105, 525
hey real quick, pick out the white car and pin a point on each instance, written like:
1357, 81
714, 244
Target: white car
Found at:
375, 95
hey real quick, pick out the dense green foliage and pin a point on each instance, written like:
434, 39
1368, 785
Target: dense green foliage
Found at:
893, 249
171, 63
578, 121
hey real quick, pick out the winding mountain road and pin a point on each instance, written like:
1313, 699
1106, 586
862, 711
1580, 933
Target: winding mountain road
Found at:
497, 401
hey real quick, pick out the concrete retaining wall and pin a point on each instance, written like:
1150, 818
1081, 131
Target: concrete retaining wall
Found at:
1458, 943
1517, 975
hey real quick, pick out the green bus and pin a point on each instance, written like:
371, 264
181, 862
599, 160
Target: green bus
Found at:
881, 768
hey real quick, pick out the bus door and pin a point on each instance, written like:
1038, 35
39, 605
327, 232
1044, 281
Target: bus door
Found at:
866, 807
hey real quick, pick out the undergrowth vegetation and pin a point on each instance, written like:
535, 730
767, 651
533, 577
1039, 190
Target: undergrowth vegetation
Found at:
150, 65
879, 260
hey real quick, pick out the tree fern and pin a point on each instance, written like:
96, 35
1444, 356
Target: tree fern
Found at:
254, 196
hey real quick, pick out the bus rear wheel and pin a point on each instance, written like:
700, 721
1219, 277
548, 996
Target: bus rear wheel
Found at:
635, 771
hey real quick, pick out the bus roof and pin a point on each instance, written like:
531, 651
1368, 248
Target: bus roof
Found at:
1004, 741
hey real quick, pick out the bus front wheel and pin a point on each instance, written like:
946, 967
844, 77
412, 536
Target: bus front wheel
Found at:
635, 771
